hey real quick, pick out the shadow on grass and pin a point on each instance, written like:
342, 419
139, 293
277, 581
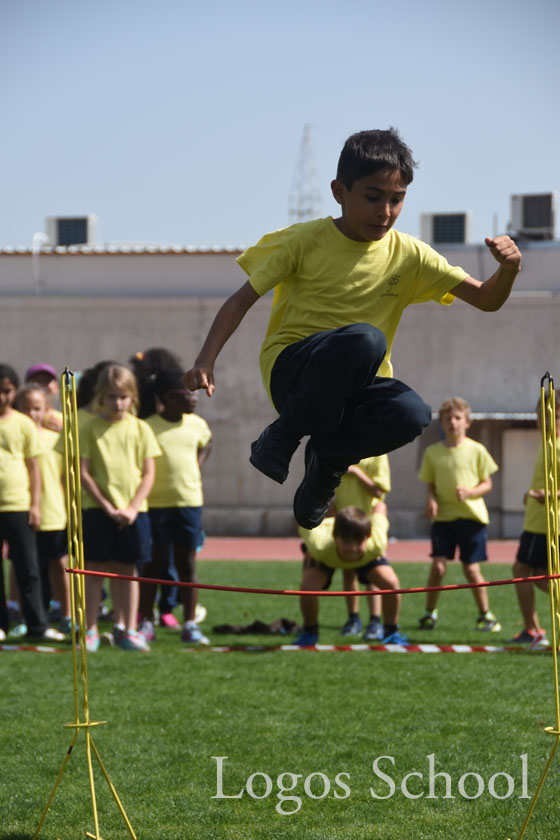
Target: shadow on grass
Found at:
16, 836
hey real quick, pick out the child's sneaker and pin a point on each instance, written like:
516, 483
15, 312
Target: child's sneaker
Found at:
395, 638
540, 642
272, 452
488, 623
192, 635
428, 620
374, 631
132, 640
65, 626
169, 620
18, 632
200, 613
52, 635
113, 637
526, 637
307, 638
146, 629
353, 626
55, 613
314, 494
92, 641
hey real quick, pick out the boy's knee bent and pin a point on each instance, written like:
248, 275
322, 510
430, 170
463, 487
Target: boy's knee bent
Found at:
368, 342
414, 415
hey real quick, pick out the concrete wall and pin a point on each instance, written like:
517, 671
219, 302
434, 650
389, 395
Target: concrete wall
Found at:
89, 307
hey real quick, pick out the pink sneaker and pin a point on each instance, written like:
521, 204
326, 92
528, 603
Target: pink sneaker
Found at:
169, 620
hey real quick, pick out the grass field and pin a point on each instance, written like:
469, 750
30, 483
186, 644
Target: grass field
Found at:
331, 713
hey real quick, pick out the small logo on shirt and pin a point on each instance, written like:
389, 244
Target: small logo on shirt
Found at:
392, 283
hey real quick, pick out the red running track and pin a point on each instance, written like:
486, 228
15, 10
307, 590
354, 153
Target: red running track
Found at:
288, 548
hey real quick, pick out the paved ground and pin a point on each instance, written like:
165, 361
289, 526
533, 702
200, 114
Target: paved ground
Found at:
288, 548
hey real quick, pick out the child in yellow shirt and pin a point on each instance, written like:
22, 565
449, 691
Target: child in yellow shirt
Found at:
52, 549
457, 471
362, 486
532, 554
176, 499
117, 452
351, 540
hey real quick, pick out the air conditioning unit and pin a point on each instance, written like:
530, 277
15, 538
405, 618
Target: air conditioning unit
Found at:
71, 230
445, 228
535, 216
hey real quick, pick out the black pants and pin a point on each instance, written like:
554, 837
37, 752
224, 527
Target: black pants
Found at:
18, 533
327, 386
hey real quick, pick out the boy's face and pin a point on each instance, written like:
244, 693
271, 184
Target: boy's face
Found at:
454, 424
350, 551
371, 206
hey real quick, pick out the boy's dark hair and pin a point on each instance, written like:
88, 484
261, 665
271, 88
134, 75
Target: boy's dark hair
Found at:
7, 372
372, 151
352, 524
164, 381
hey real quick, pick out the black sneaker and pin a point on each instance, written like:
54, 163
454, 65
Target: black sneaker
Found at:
315, 492
271, 453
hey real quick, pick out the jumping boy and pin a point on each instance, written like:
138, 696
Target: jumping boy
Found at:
457, 472
532, 554
340, 287
350, 540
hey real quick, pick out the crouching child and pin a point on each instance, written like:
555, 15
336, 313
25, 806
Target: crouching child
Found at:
350, 540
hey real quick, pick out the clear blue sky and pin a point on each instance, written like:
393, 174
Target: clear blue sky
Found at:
180, 122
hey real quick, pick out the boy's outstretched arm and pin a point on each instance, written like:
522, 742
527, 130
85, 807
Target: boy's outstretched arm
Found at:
492, 294
230, 315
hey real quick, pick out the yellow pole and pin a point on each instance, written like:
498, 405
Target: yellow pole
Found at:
548, 428
82, 719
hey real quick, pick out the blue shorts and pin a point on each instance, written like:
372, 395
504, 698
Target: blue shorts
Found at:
533, 551
51, 545
105, 542
466, 534
177, 526
361, 571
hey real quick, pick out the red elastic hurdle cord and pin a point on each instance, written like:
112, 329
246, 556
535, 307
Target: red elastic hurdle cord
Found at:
156, 581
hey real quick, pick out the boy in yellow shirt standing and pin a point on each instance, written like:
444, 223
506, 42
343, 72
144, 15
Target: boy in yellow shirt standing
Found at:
457, 471
340, 288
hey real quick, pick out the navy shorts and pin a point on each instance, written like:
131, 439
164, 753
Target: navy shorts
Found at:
361, 571
177, 526
51, 545
533, 551
466, 534
105, 542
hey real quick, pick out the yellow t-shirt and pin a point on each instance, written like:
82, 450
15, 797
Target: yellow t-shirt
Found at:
535, 511
53, 420
178, 482
449, 467
323, 280
116, 453
19, 440
51, 465
320, 543
351, 491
